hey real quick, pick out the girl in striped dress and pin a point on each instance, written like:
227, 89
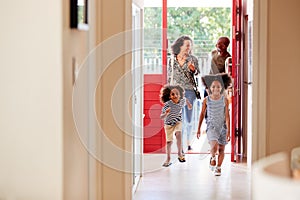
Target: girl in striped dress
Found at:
218, 119
174, 100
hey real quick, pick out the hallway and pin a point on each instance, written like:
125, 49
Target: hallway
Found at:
196, 180
193, 180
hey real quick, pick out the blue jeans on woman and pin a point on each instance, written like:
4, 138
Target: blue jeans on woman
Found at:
188, 116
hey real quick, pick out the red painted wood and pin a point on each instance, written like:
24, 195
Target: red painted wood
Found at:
164, 39
236, 74
155, 124
154, 78
154, 135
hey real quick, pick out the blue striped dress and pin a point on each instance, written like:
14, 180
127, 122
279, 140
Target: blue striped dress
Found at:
216, 125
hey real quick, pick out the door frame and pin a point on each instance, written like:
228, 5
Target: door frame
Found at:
257, 139
259, 96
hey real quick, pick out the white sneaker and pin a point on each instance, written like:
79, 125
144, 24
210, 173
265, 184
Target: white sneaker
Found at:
217, 171
212, 167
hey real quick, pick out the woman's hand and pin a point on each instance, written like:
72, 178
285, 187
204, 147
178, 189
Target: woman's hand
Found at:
188, 103
191, 66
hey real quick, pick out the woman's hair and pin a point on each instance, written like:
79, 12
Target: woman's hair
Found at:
179, 43
166, 90
223, 78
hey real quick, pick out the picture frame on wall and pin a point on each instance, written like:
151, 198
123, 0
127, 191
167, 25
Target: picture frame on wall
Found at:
79, 14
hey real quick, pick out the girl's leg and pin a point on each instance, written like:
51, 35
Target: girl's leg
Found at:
217, 171
221, 154
169, 144
179, 146
179, 142
213, 151
213, 147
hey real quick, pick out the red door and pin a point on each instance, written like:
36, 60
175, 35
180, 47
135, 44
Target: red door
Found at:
236, 75
154, 135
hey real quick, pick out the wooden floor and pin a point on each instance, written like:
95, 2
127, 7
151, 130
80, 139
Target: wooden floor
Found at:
193, 179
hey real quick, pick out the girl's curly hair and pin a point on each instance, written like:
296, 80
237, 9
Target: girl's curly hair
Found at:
166, 90
223, 78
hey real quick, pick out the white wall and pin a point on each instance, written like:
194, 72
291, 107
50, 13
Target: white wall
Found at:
31, 100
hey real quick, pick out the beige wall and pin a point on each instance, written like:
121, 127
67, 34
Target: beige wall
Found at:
283, 108
113, 20
31, 100
275, 108
76, 159
42, 155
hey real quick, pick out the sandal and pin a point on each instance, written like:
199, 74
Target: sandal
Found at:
181, 159
167, 164
211, 165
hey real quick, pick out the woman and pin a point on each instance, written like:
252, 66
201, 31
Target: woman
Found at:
181, 70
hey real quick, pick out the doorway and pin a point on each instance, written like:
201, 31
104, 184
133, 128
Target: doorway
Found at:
154, 77
240, 33
153, 80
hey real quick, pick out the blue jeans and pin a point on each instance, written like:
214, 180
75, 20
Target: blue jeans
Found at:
188, 116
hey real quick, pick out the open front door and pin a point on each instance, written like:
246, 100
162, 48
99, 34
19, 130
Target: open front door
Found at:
236, 75
154, 79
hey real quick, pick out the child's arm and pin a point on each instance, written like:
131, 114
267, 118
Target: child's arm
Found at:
163, 115
202, 115
227, 119
190, 106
